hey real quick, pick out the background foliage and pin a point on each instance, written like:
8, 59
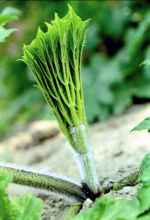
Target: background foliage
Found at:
114, 78
25, 207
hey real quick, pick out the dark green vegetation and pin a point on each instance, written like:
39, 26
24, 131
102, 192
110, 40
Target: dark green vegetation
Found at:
117, 43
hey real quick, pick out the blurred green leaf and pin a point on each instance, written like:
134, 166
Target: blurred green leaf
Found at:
26, 207
9, 14
123, 98
144, 125
113, 18
145, 170
4, 33
146, 63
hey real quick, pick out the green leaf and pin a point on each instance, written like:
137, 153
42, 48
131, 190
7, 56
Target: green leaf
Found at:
144, 192
4, 33
55, 60
118, 15
9, 14
110, 208
26, 207
5, 179
144, 176
144, 125
30, 208
7, 209
122, 98
144, 198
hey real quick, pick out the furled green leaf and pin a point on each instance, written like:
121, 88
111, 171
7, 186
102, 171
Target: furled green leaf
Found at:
55, 60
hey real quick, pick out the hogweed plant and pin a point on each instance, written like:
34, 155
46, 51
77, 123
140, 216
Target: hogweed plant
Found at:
54, 58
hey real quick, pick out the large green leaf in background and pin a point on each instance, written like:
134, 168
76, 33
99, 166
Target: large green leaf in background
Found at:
7, 15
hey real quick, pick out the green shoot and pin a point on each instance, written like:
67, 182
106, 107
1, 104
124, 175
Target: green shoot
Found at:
55, 60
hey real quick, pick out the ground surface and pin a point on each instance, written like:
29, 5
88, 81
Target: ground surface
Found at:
117, 151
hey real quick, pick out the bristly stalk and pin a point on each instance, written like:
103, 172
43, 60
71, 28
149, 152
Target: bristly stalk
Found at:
50, 182
55, 60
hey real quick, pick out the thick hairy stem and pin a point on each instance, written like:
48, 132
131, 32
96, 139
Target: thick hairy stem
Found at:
85, 159
53, 183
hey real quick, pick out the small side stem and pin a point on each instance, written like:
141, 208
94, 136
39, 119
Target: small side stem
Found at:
129, 180
53, 183
85, 159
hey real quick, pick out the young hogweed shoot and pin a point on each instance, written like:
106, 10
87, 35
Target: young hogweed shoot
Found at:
55, 60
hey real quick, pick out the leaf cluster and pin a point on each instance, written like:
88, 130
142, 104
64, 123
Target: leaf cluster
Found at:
114, 77
55, 60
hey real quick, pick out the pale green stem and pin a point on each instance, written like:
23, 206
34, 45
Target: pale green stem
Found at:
48, 181
85, 158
